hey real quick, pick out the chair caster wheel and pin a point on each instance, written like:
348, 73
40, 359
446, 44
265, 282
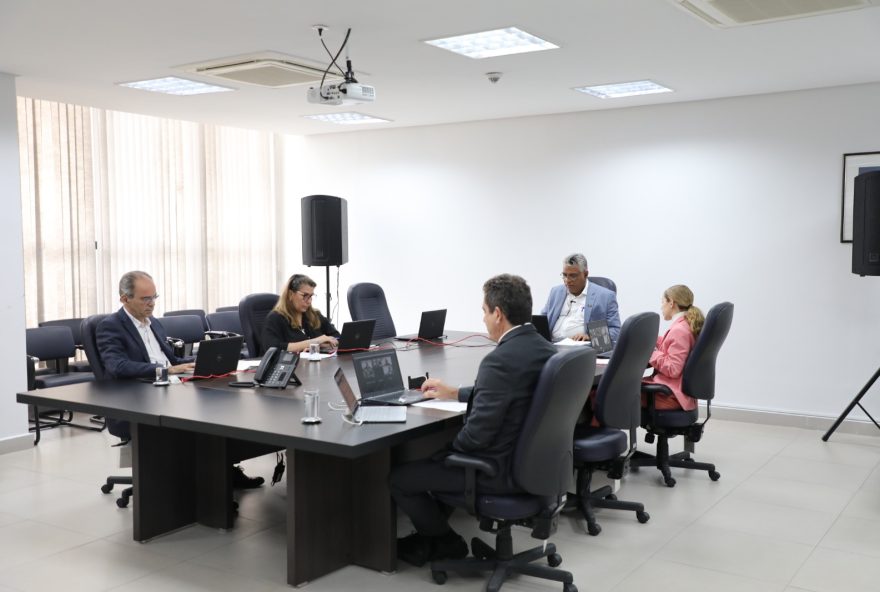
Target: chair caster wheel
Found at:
670, 482
554, 560
107, 488
439, 576
642, 517
569, 588
714, 475
594, 529
611, 497
122, 502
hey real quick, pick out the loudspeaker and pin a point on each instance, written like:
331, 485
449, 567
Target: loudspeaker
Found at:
866, 224
324, 230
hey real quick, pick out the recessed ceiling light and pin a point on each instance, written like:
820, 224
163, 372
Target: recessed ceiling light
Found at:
173, 85
490, 44
623, 89
347, 118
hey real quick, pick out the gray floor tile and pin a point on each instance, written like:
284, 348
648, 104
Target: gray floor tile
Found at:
828, 570
769, 520
658, 575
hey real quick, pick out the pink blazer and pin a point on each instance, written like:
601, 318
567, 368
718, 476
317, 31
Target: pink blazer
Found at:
669, 357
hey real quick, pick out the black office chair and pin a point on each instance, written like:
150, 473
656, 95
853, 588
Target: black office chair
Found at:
118, 428
698, 381
184, 331
604, 282
617, 407
252, 311
227, 308
542, 465
75, 327
226, 324
54, 346
367, 301
190, 311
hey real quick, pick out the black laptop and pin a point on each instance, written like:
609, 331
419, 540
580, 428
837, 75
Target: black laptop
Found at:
600, 339
430, 328
356, 335
542, 326
218, 356
379, 379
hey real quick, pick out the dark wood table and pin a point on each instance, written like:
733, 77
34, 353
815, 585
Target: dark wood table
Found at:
340, 511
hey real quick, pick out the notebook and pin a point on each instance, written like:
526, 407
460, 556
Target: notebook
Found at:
366, 414
379, 379
542, 326
356, 335
430, 328
218, 356
600, 338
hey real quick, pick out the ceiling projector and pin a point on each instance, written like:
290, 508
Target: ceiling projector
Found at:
342, 93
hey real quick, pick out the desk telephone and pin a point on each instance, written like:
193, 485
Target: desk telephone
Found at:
276, 369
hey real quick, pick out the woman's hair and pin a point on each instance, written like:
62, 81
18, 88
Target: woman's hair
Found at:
286, 309
683, 298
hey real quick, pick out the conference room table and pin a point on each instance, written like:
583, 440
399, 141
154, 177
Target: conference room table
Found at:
339, 508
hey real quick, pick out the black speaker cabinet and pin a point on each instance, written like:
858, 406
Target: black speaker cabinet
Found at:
324, 230
866, 224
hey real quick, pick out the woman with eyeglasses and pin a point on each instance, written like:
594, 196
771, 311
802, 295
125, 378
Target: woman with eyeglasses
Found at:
293, 324
674, 347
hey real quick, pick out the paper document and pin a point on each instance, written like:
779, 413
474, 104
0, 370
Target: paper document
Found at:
570, 341
446, 405
315, 357
247, 365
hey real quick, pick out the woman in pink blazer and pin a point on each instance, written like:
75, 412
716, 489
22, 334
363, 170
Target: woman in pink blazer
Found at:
673, 348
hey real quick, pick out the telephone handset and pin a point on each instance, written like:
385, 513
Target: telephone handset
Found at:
276, 369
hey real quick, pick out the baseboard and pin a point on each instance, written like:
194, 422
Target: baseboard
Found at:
794, 420
16, 443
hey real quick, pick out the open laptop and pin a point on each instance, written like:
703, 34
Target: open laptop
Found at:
218, 356
542, 326
600, 339
380, 381
366, 414
430, 328
356, 335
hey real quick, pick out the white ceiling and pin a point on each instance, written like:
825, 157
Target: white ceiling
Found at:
75, 52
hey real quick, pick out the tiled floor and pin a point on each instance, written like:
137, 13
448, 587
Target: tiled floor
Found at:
790, 513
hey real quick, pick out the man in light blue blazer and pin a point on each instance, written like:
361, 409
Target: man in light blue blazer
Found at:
571, 306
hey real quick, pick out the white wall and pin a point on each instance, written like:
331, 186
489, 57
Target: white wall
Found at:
738, 198
13, 416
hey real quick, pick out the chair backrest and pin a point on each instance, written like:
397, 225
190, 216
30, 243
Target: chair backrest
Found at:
90, 345
367, 301
604, 282
50, 343
542, 463
190, 311
225, 321
618, 396
74, 324
188, 328
252, 311
698, 378
227, 308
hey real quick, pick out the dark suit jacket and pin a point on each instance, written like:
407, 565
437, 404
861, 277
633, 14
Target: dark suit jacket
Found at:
499, 401
277, 332
123, 351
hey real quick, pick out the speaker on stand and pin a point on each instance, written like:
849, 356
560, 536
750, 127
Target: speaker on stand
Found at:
324, 234
865, 261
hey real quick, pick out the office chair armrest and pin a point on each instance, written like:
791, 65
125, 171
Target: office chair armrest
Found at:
471, 465
31, 371
650, 390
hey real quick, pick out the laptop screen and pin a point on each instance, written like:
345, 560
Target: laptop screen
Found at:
378, 372
600, 339
345, 389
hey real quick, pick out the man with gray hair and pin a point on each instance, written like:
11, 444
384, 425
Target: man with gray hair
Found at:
578, 302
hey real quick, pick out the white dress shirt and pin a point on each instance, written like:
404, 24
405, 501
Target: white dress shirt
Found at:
157, 356
571, 317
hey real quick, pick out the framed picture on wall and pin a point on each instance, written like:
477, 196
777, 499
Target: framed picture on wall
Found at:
853, 165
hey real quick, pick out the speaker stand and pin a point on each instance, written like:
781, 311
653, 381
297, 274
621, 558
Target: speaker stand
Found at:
856, 402
329, 313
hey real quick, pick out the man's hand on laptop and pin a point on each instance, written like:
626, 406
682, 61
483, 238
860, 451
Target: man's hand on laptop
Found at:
581, 337
181, 368
437, 389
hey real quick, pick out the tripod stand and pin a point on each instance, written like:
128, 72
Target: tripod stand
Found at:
856, 402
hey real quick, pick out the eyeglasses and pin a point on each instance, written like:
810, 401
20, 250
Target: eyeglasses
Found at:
570, 276
306, 296
149, 299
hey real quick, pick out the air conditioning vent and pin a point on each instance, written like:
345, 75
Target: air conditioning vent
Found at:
734, 13
268, 69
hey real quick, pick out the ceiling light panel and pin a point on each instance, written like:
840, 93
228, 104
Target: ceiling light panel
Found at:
624, 89
489, 44
172, 85
347, 118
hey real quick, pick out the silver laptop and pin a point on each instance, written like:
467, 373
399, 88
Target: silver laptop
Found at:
366, 414
378, 377
600, 339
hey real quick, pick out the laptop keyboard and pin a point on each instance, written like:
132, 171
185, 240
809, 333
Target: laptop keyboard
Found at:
396, 398
378, 414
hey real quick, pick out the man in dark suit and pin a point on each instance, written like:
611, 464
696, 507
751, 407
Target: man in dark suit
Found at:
132, 343
497, 407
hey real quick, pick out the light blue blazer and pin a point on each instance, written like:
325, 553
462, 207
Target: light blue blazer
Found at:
601, 306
